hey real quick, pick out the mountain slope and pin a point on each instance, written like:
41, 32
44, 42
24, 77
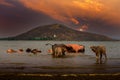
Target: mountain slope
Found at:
59, 32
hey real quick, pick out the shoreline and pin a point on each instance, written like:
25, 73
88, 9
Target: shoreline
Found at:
60, 74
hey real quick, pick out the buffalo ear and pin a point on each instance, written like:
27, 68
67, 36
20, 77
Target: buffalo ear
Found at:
90, 47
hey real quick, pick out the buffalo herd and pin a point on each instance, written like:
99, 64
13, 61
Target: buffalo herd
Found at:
60, 50
28, 50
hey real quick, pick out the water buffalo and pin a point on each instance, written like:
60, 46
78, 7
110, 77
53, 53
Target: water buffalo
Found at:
59, 52
35, 51
99, 51
11, 51
50, 51
75, 48
58, 49
20, 50
28, 50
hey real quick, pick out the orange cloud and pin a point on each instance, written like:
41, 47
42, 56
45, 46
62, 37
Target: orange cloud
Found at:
89, 5
74, 20
3, 2
68, 10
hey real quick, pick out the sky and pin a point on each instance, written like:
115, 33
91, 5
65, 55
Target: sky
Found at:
96, 16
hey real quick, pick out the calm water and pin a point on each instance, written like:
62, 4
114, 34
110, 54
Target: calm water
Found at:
44, 62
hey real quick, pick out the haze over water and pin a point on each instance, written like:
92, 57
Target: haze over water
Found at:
45, 63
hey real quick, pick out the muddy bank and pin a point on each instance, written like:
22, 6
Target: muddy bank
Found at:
52, 76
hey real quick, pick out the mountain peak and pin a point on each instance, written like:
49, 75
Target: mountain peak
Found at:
60, 32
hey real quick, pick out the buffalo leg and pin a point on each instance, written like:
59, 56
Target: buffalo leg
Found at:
97, 58
100, 58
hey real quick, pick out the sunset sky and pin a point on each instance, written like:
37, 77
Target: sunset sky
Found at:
96, 16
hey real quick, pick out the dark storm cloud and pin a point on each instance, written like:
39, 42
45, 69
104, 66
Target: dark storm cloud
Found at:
100, 26
16, 18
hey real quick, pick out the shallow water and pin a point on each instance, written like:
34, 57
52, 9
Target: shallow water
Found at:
44, 62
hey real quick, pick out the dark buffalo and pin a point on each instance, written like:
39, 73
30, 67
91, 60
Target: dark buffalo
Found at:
28, 50
35, 51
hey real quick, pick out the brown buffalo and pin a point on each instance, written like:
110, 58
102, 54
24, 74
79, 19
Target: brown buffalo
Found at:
99, 51
75, 48
59, 52
58, 49
11, 51
20, 50
50, 51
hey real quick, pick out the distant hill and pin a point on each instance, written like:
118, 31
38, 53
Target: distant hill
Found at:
59, 32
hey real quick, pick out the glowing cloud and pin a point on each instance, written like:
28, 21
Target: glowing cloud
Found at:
64, 10
89, 4
69, 11
74, 20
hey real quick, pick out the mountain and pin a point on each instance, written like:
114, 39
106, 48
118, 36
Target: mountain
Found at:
59, 32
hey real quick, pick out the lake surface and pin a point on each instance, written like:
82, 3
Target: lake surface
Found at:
45, 63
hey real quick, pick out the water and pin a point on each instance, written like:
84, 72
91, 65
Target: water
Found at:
45, 63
